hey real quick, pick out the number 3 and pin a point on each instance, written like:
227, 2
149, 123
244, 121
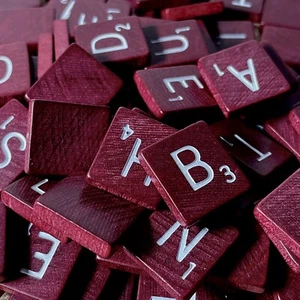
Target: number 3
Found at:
228, 172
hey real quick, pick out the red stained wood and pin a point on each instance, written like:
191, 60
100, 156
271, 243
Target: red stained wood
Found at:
78, 82
71, 144
286, 43
14, 71
53, 280
253, 7
25, 25
294, 117
45, 53
120, 261
223, 73
283, 132
174, 44
174, 90
153, 4
119, 42
116, 167
250, 147
17, 4
281, 13
102, 220
192, 11
158, 252
279, 211
21, 195
13, 125
232, 33
200, 167
61, 37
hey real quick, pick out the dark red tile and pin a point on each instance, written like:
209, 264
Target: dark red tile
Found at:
120, 173
232, 33
123, 290
14, 72
227, 75
63, 138
279, 211
13, 126
117, 43
175, 43
120, 261
147, 5
283, 132
21, 195
61, 37
245, 265
150, 289
45, 53
48, 268
102, 220
16, 4
294, 117
164, 254
25, 25
286, 43
200, 167
252, 7
253, 149
76, 77
279, 13
192, 11
174, 90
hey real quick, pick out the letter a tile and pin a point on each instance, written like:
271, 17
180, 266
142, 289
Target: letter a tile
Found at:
193, 174
242, 76
175, 257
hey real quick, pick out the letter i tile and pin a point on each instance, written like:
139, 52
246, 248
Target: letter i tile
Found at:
196, 176
116, 167
13, 125
178, 258
242, 76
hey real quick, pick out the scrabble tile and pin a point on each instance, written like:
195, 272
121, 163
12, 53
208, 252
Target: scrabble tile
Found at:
96, 12
14, 71
245, 265
291, 289
217, 178
253, 149
102, 220
61, 37
21, 195
285, 42
25, 25
15, 4
232, 33
278, 212
242, 76
120, 173
147, 5
149, 289
174, 90
252, 7
63, 138
118, 43
123, 290
49, 265
192, 11
282, 14
294, 117
45, 53
164, 254
60, 84
283, 132
13, 126
175, 43
151, 22
120, 261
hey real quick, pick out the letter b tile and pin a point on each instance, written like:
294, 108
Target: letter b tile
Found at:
193, 174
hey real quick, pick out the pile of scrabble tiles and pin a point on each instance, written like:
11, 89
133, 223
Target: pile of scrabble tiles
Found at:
150, 149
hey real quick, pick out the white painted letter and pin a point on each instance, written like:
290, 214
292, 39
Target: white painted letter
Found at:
241, 76
9, 68
122, 46
196, 163
66, 13
36, 187
242, 3
81, 20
